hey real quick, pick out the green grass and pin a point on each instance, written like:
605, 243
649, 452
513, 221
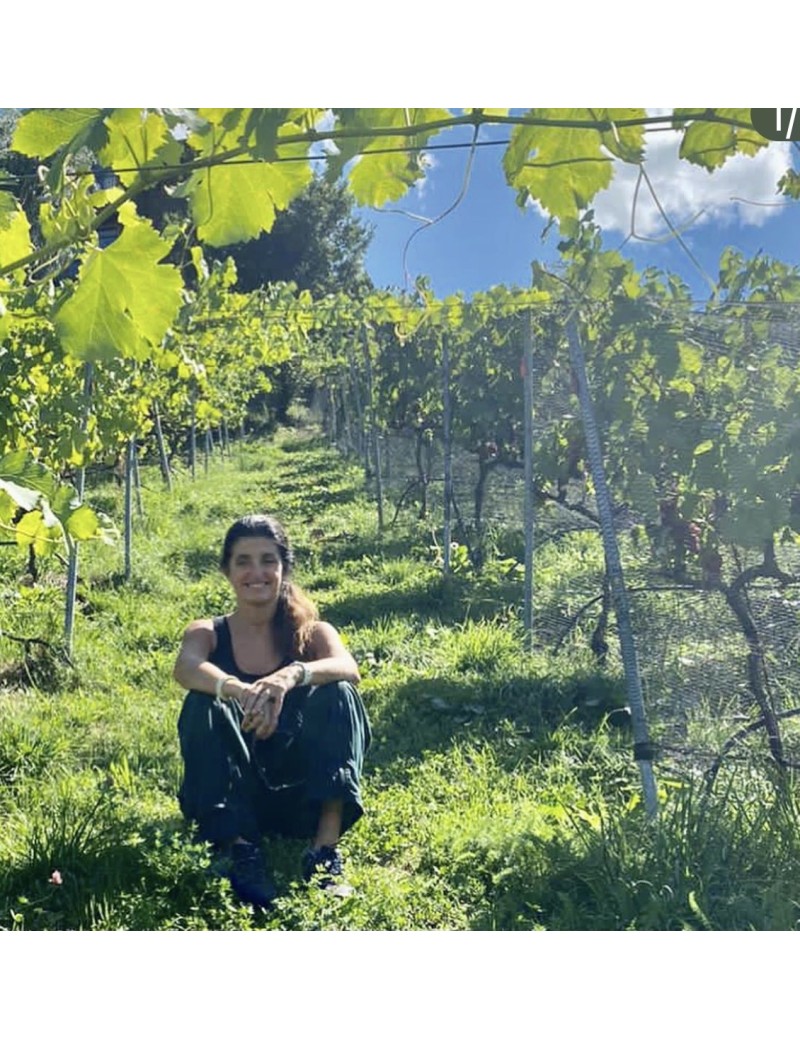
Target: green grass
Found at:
497, 795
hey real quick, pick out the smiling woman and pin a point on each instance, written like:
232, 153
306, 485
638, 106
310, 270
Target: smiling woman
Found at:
273, 732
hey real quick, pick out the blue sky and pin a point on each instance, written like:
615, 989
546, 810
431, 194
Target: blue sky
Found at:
489, 240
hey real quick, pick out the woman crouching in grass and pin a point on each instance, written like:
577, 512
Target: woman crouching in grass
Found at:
272, 732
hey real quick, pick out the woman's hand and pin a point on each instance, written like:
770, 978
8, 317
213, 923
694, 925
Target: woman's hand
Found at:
263, 700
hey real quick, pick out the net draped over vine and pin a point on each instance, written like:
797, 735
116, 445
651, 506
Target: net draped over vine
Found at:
710, 554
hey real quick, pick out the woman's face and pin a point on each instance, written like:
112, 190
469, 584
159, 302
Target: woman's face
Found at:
255, 570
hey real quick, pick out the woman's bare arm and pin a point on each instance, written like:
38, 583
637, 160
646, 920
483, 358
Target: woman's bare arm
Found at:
193, 670
327, 658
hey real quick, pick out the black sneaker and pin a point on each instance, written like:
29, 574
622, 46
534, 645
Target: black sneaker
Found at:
247, 873
324, 867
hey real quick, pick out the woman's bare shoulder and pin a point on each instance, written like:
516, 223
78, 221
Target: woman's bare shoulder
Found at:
201, 630
323, 637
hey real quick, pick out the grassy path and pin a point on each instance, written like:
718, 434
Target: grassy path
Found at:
490, 803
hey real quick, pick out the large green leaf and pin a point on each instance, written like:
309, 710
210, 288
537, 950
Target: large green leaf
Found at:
378, 179
236, 202
33, 529
15, 239
82, 523
560, 167
25, 480
44, 131
78, 520
380, 176
125, 299
264, 124
709, 144
138, 138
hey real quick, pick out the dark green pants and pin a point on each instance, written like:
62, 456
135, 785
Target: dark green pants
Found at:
237, 786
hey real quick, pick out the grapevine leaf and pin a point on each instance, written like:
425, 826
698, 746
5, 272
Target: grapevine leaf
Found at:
15, 240
138, 138
709, 144
34, 530
24, 497
78, 520
691, 357
789, 184
24, 479
125, 299
221, 128
562, 168
60, 132
383, 176
377, 179
626, 142
43, 131
8, 507
264, 123
82, 523
236, 202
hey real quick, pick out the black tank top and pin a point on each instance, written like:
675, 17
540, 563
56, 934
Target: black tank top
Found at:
222, 654
275, 759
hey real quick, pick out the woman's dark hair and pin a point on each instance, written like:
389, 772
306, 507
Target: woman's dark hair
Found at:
296, 612
258, 525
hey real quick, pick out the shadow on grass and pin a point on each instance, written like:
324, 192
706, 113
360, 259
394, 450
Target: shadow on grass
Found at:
433, 596
517, 718
316, 498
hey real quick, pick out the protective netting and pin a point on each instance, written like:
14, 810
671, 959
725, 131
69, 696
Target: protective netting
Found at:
718, 642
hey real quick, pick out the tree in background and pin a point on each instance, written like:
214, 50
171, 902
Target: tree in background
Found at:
317, 243
320, 245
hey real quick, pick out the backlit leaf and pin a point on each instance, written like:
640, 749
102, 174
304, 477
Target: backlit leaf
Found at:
15, 240
25, 479
125, 299
377, 179
264, 124
82, 523
43, 131
562, 168
236, 202
138, 138
626, 142
384, 176
691, 357
33, 530
709, 144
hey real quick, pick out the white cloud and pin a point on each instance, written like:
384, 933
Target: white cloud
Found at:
422, 187
689, 193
